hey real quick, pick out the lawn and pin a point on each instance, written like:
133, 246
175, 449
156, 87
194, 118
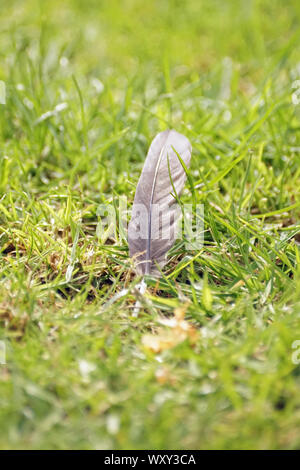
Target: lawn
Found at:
88, 86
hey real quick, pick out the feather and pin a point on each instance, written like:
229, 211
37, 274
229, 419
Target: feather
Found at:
155, 213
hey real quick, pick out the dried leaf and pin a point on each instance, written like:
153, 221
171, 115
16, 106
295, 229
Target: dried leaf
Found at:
178, 331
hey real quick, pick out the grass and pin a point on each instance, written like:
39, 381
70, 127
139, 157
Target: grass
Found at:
88, 85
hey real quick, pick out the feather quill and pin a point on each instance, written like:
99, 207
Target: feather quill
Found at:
155, 213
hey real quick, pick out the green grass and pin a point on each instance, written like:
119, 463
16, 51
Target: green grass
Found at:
78, 374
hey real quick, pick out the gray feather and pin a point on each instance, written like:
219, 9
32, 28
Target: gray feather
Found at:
155, 213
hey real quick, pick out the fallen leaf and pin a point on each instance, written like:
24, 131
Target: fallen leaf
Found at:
178, 331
